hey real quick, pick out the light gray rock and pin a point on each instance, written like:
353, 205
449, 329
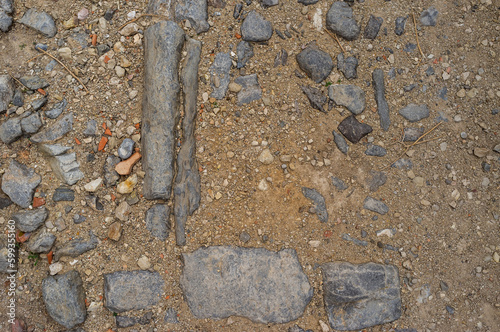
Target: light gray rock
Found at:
126, 148
53, 149
30, 220
6, 91
316, 63
64, 298
64, 165
319, 203
375, 205
195, 11
375, 150
5, 21
399, 25
19, 183
57, 109
90, 128
340, 142
41, 242
11, 130
34, 82
56, 131
261, 285
219, 75
244, 51
171, 316
160, 107
340, 20
7, 6
250, 89
429, 17
372, 27
158, 221
350, 96
39, 103
382, 106
376, 180
360, 296
132, 290
348, 66
339, 184
39, 21
76, 247
255, 28
414, 113
31, 124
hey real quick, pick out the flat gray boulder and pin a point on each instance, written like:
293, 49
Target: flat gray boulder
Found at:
360, 296
132, 290
39, 21
19, 183
11, 130
349, 96
261, 285
158, 221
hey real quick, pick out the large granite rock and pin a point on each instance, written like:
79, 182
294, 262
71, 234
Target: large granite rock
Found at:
160, 107
316, 63
19, 183
64, 298
261, 285
39, 21
132, 290
360, 296
195, 11
340, 20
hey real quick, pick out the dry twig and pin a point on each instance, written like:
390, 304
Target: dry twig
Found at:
416, 35
334, 36
62, 64
34, 58
18, 81
139, 17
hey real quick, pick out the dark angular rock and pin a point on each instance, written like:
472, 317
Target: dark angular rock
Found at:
382, 105
11, 130
64, 298
18, 99
308, 2
195, 11
158, 221
126, 148
76, 247
244, 51
360, 296
237, 10
108, 15
102, 49
339, 184
6, 91
402, 163
19, 183
412, 134
31, 124
78, 219
269, 3
160, 107
340, 142
39, 21
250, 89
39, 103
41, 242
261, 285
340, 20
350, 96
125, 321
29, 220
348, 66
57, 109
219, 72
56, 131
429, 17
376, 180
375, 205
414, 113
63, 194
111, 177
255, 28
34, 82
171, 316
315, 63
410, 47
375, 151
132, 290
354, 130
4, 201
319, 203
316, 98
400, 24
373, 27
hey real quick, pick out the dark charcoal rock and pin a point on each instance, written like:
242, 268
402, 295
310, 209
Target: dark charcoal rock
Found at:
348, 66
132, 290
56, 131
171, 316
237, 10
400, 24
373, 27
108, 15
160, 107
269, 3
414, 113
57, 109
63, 194
255, 28
41, 242
339, 184
31, 124
350, 96
18, 99
402, 163
6, 91
281, 58
375, 205
102, 49
354, 130
34, 82
4, 201
158, 221
219, 72
376, 180
39, 103
126, 148
340, 20
360, 296
244, 50
76, 247
195, 11
316, 98
412, 134
111, 177
261, 285
78, 218
29, 220
340, 142
375, 151
319, 203
39, 21
64, 298
19, 183
382, 105
429, 17
250, 89
11, 130
315, 63
357, 242
429, 71
308, 2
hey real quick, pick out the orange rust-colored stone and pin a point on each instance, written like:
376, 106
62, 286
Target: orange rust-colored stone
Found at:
102, 143
125, 167
38, 201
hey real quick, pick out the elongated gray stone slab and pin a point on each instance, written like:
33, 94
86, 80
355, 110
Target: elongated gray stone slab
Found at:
76, 247
160, 107
187, 190
56, 131
382, 106
261, 285
360, 296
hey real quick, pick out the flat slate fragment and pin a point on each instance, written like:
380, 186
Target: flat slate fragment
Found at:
19, 183
414, 113
340, 20
316, 98
76, 247
319, 202
375, 205
354, 130
158, 221
382, 105
39, 21
29, 220
195, 11
340, 142
373, 26
261, 285
250, 89
56, 131
349, 96
360, 296
219, 75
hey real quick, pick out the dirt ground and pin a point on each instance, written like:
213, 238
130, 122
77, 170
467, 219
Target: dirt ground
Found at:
437, 242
